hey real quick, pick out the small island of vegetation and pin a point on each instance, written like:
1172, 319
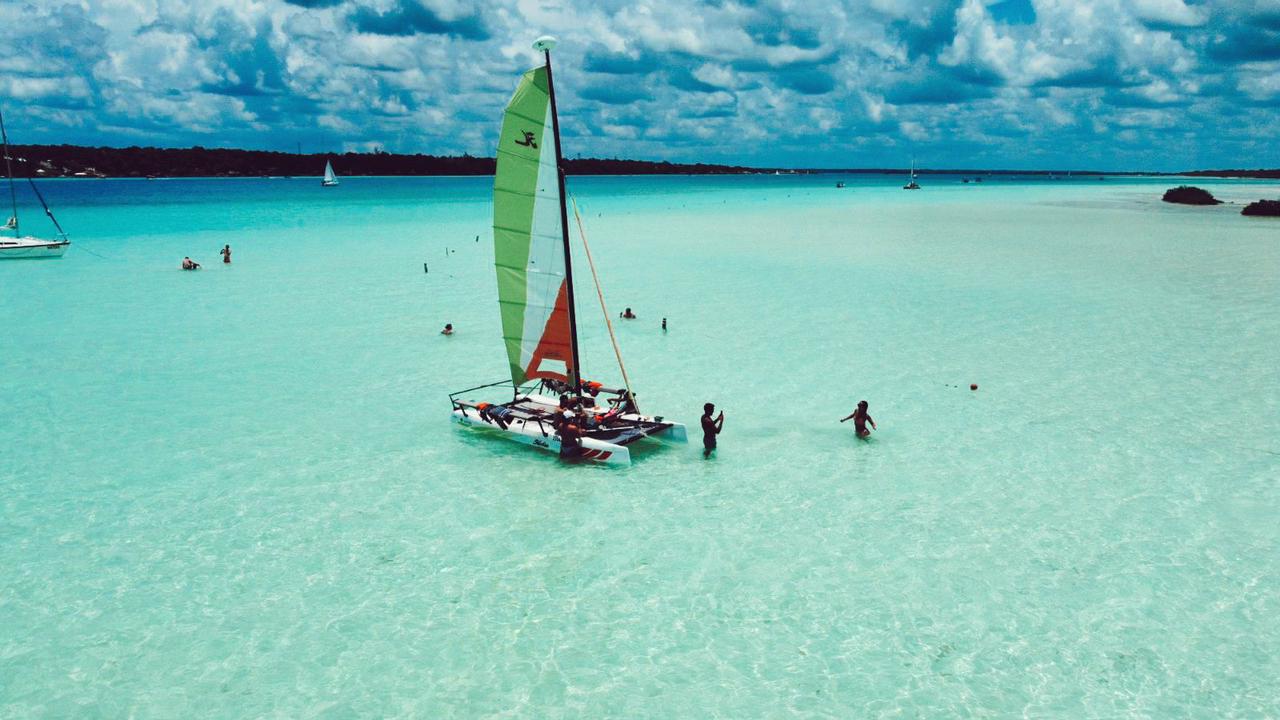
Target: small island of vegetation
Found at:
1188, 195
1262, 208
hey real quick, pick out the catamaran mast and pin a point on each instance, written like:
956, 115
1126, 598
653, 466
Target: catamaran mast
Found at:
575, 378
13, 194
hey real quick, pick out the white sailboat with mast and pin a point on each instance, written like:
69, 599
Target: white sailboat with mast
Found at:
911, 182
551, 407
330, 179
29, 247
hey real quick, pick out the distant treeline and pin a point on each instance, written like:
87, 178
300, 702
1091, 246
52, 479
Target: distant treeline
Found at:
1273, 174
77, 161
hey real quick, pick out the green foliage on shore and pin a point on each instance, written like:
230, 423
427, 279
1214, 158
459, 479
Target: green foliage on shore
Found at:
76, 161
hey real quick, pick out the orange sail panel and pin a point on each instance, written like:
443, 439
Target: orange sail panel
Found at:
556, 342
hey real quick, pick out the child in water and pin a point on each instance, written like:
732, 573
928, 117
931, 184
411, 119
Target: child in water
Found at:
860, 419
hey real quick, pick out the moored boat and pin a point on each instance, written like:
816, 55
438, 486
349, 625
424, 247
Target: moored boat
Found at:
19, 247
31, 248
330, 179
911, 182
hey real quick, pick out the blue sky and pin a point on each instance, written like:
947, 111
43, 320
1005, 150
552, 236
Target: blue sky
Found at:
1107, 84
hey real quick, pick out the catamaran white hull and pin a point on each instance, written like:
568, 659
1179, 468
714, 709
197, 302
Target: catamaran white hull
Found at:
530, 434
31, 248
541, 434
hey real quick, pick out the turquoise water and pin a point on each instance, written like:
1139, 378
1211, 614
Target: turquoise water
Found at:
236, 493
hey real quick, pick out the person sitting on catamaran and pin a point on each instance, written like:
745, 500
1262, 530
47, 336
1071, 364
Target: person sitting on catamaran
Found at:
628, 315
627, 402
860, 419
189, 264
605, 419
499, 414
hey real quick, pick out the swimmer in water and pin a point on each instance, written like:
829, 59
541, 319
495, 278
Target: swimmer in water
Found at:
189, 264
570, 432
448, 329
226, 254
710, 429
860, 419
628, 315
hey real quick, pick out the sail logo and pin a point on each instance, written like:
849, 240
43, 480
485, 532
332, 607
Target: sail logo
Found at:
528, 140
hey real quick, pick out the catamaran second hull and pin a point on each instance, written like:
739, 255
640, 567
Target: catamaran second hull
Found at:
31, 249
531, 424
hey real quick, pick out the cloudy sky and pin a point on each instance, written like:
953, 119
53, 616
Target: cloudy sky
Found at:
1107, 84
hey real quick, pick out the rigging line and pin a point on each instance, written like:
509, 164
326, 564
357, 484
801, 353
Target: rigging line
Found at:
600, 294
13, 194
80, 247
56, 224
47, 211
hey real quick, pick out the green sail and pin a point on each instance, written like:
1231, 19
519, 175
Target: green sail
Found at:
527, 238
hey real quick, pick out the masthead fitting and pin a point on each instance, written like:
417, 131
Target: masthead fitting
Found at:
544, 43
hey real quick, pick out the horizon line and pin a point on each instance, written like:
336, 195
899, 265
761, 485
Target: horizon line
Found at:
1263, 172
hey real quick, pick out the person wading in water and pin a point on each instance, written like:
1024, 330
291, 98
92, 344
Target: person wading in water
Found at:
860, 419
710, 429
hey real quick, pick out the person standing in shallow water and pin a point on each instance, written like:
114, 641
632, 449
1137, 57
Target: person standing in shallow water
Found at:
226, 254
710, 429
860, 419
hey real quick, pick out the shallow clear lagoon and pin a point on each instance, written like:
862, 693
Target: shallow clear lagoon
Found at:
236, 493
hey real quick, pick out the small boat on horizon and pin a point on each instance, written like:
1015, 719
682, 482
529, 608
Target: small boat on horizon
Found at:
911, 181
330, 179
551, 406
29, 247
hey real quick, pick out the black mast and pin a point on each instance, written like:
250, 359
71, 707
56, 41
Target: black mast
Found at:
575, 378
13, 194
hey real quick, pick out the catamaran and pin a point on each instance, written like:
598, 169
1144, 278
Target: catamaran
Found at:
330, 180
19, 247
551, 407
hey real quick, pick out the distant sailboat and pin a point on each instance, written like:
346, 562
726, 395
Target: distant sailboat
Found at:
911, 183
330, 180
19, 247
551, 407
